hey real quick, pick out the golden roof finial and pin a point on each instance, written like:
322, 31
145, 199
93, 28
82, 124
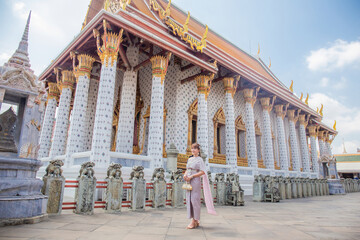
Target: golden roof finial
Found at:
106, 5
301, 97
186, 23
317, 109
334, 127
258, 49
270, 62
203, 39
167, 10
321, 110
307, 99
291, 86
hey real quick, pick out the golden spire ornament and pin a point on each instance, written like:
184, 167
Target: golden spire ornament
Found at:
291, 86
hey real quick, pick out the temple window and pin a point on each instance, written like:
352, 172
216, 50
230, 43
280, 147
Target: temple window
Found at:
240, 133
192, 125
219, 155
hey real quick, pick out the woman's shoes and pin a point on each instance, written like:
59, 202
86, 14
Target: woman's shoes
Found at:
196, 224
191, 226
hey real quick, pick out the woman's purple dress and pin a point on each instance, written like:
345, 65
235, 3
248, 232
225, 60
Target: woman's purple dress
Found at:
193, 197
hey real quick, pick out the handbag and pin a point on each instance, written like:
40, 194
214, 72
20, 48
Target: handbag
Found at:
187, 186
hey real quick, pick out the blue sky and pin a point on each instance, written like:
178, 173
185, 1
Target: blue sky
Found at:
314, 43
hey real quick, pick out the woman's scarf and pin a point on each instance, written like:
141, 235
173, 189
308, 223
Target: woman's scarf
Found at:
207, 192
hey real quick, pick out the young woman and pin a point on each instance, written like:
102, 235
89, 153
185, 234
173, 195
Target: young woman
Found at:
195, 168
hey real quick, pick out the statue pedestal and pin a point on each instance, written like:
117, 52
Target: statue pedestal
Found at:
159, 200
20, 198
55, 191
335, 187
177, 198
138, 195
113, 195
85, 196
258, 191
221, 193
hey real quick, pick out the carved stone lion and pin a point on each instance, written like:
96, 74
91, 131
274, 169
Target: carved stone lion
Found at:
219, 177
54, 168
176, 175
159, 174
87, 170
114, 171
137, 172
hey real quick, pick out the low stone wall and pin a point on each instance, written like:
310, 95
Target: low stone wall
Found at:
135, 194
350, 185
275, 188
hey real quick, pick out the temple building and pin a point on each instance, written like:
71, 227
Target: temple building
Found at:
143, 80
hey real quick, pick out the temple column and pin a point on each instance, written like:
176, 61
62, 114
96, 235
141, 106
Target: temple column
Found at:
125, 132
203, 83
156, 124
283, 156
250, 99
48, 122
267, 137
76, 141
314, 156
303, 143
101, 139
230, 89
293, 140
328, 144
321, 143
2, 95
90, 113
62, 120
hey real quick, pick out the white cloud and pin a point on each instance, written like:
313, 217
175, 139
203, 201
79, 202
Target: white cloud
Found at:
335, 84
340, 54
4, 57
324, 82
347, 120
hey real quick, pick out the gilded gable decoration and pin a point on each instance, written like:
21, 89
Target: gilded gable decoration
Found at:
177, 29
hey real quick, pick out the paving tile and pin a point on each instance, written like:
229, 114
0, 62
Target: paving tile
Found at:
81, 227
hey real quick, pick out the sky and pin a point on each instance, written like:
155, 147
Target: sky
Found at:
314, 43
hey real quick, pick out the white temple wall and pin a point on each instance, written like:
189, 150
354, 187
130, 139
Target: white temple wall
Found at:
216, 100
185, 95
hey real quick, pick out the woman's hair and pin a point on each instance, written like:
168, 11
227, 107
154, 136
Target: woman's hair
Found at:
196, 146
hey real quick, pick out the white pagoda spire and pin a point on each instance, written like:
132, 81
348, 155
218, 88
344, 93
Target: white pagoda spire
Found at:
21, 56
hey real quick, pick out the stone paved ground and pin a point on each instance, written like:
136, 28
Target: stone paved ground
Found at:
326, 217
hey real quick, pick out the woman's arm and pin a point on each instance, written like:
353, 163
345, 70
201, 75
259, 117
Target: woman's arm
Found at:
186, 177
200, 173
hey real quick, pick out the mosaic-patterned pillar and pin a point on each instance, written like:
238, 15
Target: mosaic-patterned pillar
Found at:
90, 113
267, 137
328, 144
2, 95
203, 83
293, 140
62, 120
76, 141
283, 156
48, 122
314, 156
321, 143
101, 140
303, 143
156, 124
230, 85
125, 133
250, 99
